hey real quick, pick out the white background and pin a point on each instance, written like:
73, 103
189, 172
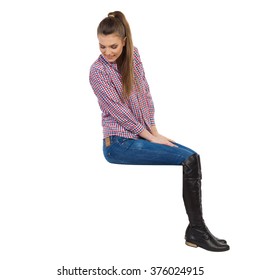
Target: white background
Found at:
62, 204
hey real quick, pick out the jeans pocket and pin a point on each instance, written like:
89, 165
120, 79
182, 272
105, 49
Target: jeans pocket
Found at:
110, 150
125, 143
116, 152
107, 152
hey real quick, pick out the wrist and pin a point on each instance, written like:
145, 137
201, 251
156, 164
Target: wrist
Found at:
154, 131
147, 135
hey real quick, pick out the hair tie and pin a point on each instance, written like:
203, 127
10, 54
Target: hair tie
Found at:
111, 16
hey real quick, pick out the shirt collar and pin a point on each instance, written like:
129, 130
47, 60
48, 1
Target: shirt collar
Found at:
111, 64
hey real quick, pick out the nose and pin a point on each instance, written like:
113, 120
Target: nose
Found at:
107, 51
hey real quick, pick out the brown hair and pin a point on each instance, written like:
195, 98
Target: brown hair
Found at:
116, 22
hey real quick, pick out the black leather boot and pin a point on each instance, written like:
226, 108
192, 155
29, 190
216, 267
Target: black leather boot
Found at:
218, 239
197, 234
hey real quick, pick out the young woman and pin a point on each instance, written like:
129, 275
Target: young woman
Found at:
129, 131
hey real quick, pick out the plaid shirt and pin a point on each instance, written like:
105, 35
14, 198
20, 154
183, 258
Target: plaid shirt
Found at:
122, 119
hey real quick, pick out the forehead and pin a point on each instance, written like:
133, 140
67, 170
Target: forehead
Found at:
108, 40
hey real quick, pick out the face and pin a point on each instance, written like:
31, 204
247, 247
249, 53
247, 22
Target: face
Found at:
111, 46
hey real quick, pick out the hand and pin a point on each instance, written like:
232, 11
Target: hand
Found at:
155, 137
160, 139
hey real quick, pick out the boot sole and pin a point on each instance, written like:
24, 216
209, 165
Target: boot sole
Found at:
191, 244
196, 246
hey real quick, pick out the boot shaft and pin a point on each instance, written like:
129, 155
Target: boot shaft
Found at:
192, 167
192, 190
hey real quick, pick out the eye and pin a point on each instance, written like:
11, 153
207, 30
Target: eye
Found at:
114, 47
102, 47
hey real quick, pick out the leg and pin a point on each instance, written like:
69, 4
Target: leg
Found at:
197, 233
121, 150
129, 151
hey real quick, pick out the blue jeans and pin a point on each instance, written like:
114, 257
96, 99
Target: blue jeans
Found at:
122, 150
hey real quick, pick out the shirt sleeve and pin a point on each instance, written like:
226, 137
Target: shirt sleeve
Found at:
110, 102
150, 101
146, 86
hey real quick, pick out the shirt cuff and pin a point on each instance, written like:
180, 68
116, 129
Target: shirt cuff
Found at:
152, 121
138, 129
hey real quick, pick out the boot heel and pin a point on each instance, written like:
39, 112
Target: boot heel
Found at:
191, 244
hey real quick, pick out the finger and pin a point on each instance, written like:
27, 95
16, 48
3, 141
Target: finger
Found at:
172, 145
171, 140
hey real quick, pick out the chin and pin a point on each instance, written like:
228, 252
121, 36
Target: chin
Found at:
113, 59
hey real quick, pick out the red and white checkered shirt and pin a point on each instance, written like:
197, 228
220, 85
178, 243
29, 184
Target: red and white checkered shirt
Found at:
122, 119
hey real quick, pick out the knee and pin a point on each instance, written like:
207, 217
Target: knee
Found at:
192, 167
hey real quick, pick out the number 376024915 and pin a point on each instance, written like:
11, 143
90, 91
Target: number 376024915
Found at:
188, 270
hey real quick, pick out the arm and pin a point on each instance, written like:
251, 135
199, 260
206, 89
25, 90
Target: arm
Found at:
141, 74
154, 135
110, 102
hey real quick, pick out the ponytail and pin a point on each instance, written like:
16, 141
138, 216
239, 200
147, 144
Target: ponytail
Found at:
116, 22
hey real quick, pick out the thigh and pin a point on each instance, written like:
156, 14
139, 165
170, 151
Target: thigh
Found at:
143, 152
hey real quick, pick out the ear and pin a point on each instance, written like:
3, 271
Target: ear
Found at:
124, 40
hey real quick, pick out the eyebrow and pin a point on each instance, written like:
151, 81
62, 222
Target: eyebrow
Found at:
110, 45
